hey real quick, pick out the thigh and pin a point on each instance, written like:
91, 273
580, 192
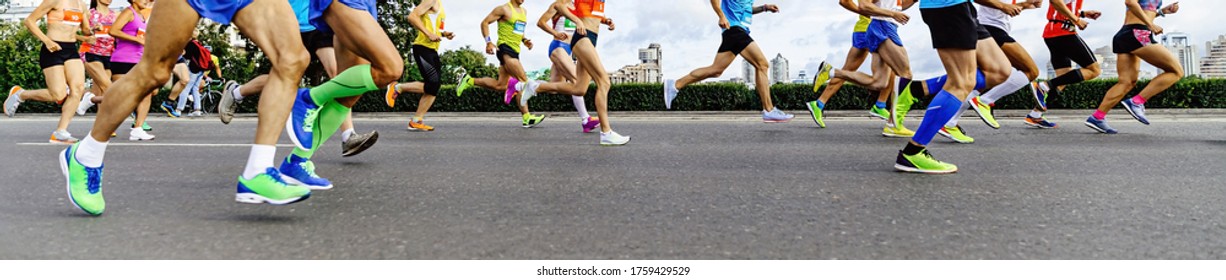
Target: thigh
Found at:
754, 55
265, 22
170, 27
1158, 56
1128, 66
590, 61
74, 73
855, 58
56, 81
1018, 57
360, 33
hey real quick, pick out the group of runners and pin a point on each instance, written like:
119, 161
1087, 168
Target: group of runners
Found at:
983, 64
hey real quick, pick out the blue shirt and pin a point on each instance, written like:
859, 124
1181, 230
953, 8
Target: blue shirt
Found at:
302, 9
738, 12
933, 4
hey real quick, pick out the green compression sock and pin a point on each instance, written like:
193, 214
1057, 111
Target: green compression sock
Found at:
331, 116
352, 82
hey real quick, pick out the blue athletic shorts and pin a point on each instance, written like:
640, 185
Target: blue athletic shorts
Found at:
220, 11
559, 44
319, 6
859, 40
878, 32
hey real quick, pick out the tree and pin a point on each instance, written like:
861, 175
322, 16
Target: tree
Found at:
472, 61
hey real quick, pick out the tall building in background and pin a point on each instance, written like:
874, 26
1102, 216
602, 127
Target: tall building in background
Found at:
1214, 64
647, 71
1106, 61
1178, 44
779, 70
748, 72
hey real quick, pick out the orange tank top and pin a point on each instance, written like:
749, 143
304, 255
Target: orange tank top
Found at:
589, 9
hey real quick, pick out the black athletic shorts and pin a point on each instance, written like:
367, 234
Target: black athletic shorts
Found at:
105, 60
121, 68
1068, 49
503, 49
315, 40
574, 39
430, 66
736, 39
1132, 37
953, 27
1000, 35
48, 59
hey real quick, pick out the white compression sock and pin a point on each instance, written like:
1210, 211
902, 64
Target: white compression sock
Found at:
237, 95
259, 160
965, 105
580, 106
1016, 81
345, 135
91, 152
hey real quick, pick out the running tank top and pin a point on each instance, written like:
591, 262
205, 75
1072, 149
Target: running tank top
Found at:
996, 18
1150, 5
738, 12
890, 5
511, 32
862, 24
103, 44
588, 8
302, 11
1057, 24
434, 22
934, 4
564, 25
128, 51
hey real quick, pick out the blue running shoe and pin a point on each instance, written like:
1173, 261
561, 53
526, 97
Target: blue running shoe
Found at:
301, 123
170, 110
1040, 122
1100, 126
1040, 92
1136, 110
299, 171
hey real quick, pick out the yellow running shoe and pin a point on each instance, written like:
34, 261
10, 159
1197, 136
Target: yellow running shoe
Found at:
897, 131
955, 133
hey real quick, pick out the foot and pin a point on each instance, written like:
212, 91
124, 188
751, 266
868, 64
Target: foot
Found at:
590, 124
62, 137
527, 91
84, 183
464, 83
817, 114
358, 143
390, 95
11, 103
611, 138
228, 105
824, 71
139, 135
531, 121
955, 133
85, 103
1100, 126
776, 116
1136, 110
923, 162
269, 188
419, 126
1040, 92
302, 120
896, 131
985, 112
511, 90
670, 92
170, 110
878, 112
1039, 122
195, 114
298, 171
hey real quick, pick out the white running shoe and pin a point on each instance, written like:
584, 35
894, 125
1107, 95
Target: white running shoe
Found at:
139, 134
611, 138
670, 92
195, 114
62, 137
85, 103
527, 91
11, 103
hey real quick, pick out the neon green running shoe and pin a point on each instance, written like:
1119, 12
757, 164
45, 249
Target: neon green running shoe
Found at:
532, 120
817, 114
824, 71
878, 112
985, 112
463, 84
897, 131
84, 183
923, 162
269, 188
955, 133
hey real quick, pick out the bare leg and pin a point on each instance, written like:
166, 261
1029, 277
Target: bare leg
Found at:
761, 65
593, 68
721, 63
1128, 65
181, 78
855, 58
1160, 57
993, 62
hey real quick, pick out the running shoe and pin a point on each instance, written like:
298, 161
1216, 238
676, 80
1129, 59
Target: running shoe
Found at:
358, 143
268, 187
531, 120
62, 137
464, 83
1100, 126
670, 92
195, 114
300, 171
611, 138
170, 110
527, 90
817, 114
85, 103
84, 183
878, 112
590, 124
897, 131
138, 134
390, 96
11, 103
1039, 122
1040, 92
1136, 110
824, 71
923, 162
512, 84
776, 116
228, 105
955, 133
419, 126
302, 119
144, 126
985, 112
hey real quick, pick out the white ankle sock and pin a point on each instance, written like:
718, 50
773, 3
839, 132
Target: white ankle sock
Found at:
91, 152
965, 105
237, 95
260, 159
1035, 114
1016, 81
581, 107
345, 135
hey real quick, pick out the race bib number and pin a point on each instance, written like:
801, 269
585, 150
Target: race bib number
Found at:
140, 33
568, 26
598, 8
520, 27
103, 32
73, 17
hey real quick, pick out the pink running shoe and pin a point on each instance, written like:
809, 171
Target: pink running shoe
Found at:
511, 90
590, 124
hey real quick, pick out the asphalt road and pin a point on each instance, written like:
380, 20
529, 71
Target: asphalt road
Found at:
712, 187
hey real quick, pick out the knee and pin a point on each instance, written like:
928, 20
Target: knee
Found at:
878, 85
384, 73
1129, 82
1178, 71
1031, 74
292, 62
432, 85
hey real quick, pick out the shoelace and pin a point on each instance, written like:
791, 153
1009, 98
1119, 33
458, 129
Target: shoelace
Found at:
276, 175
309, 167
93, 180
309, 125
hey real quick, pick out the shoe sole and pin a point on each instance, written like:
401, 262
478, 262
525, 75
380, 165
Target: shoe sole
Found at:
1039, 126
904, 168
251, 198
289, 127
602, 143
1128, 108
295, 182
68, 182
1096, 128
893, 135
138, 139
978, 111
777, 121
951, 137
370, 142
